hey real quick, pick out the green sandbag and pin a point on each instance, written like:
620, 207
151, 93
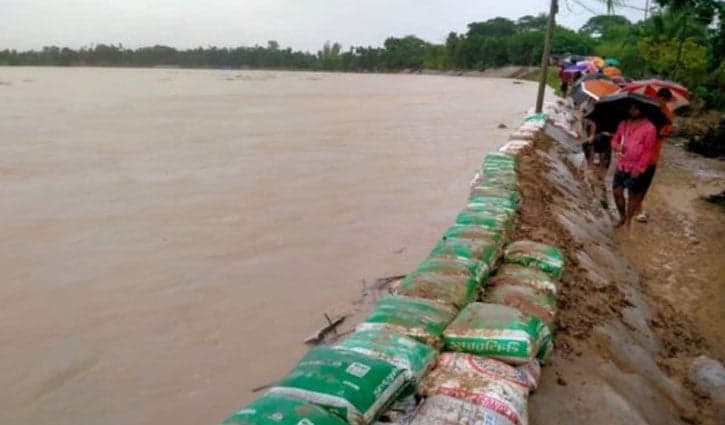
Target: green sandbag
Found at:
515, 274
351, 385
535, 254
417, 318
498, 331
485, 218
496, 192
536, 117
450, 290
477, 202
461, 267
530, 301
274, 410
481, 249
402, 351
462, 231
500, 158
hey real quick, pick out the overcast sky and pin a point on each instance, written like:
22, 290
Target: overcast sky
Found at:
301, 24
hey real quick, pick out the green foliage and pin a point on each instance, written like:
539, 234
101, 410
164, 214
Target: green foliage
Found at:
404, 53
661, 55
600, 26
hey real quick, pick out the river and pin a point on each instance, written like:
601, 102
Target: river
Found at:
169, 237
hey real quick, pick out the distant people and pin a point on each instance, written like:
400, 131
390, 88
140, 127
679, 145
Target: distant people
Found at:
634, 143
564, 79
664, 95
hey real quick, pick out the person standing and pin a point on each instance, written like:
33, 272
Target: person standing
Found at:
664, 95
634, 143
564, 79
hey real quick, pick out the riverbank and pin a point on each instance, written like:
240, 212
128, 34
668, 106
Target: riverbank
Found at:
636, 309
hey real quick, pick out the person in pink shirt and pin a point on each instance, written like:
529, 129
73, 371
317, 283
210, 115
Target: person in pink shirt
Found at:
634, 144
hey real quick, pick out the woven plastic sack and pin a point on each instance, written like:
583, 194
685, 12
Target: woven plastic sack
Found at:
274, 410
476, 202
530, 301
462, 231
445, 410
483, 381
479, 249
511, 195
454, 266
515, 274
351, 385
477, 216
498, 331
402, 351
445, 289
497, 157
421, 319
536, 117
535, 254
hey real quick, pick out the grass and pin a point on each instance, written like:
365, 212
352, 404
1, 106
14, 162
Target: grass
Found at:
552, 78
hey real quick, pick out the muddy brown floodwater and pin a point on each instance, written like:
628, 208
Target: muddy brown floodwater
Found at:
169, 237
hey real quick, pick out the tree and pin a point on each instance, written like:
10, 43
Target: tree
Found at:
532, 23
600, 26
406, 52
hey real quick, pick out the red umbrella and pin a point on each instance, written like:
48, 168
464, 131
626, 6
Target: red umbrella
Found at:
680, 94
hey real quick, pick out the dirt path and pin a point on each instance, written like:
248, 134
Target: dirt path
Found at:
628, 325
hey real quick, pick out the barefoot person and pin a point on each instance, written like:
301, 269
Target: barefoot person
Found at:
633, 143
663, 95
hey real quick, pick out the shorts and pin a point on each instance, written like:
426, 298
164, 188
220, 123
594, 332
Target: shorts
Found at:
588, 150
648, 175
634, 184
602, 146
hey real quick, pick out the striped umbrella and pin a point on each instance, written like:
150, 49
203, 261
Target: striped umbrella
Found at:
680, 94
597, 89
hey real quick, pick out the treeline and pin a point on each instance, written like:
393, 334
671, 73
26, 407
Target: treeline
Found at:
496, 42
684, 40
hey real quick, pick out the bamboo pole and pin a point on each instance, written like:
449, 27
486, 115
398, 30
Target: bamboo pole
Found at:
553, 8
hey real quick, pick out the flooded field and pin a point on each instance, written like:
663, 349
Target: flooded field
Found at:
169, 237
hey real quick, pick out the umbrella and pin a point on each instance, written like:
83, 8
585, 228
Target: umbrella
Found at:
680, 94
576, 58
611, 110
612, 62
597, 89
573, 69
589, 66
612, 71
597, 61
620, 80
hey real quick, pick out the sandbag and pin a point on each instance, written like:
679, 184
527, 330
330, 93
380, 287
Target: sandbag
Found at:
479, 249
476, 202
485, 217
535, 254
515, 274
511, 195
498, 331
351, 385
445, 410
402, 351
454, 266
485, 382
462, 231
421, 319
530, 301
274, 410
449, 290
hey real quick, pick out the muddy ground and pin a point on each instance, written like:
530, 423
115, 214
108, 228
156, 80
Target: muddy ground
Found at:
635, 308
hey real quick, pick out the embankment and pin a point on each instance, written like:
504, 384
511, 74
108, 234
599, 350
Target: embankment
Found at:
612, 336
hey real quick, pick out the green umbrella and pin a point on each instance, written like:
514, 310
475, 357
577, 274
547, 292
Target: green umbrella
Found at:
612, 62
